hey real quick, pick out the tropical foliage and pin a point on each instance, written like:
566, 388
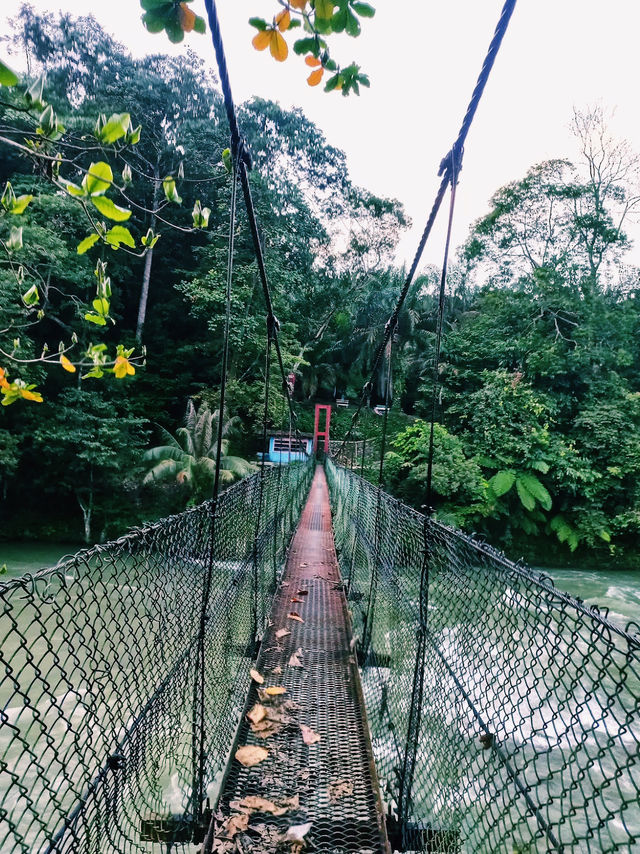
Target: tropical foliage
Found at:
537, 445
189, 457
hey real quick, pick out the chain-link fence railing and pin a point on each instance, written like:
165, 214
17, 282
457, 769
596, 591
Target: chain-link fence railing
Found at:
104, 702
504, 714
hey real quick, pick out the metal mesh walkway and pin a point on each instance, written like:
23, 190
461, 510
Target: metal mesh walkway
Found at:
316, 766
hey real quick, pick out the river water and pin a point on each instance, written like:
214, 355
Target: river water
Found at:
32, 556
619, 591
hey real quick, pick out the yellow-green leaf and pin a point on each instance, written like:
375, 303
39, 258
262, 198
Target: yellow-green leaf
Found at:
73, 189
95, 318
109, 209
19, 205
101, 306
34, 96
115, 128
87, 243
98, 179
31, 297
324, 9
15, 239
119, 234
7, 76
170, 190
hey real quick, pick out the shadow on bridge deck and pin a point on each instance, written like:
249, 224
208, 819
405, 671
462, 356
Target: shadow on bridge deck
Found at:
329, 784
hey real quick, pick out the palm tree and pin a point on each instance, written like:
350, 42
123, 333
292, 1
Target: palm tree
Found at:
190, 456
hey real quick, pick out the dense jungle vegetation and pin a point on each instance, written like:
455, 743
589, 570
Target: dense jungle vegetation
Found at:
538, 433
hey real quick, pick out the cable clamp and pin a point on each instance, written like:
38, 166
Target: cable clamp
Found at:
115, 762
451, 163
244, 154
273, 326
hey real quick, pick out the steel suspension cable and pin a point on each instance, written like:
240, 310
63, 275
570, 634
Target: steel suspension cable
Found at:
198, 740
438, 344
241, 154
371, 599
265, 419
450, 165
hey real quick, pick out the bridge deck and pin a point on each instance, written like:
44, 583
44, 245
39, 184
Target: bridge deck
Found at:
330, 783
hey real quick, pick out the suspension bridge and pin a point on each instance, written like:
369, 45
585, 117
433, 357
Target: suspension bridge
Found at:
305, 663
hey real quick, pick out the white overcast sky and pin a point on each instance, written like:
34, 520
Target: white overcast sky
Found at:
423, 57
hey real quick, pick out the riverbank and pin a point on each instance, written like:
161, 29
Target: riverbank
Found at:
32, 556
615, 589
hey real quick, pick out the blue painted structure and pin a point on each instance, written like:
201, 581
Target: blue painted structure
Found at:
282, 450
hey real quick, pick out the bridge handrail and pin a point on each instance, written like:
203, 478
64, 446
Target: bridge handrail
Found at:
505, 713
99, 675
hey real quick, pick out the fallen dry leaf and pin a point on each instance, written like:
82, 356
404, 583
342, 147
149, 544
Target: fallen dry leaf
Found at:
308, 735
275, 690
277, 670
295, 599
295, 661
257, 713
296, 834
250, 755
280, 716
257, 677
339, 789
281, 633
234, 824
223, 846
294, 616
292, 803
269, 835
257, 804
266, 728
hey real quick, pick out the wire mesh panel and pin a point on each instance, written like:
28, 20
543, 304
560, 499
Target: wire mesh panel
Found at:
317, 768
503, 712
100, 680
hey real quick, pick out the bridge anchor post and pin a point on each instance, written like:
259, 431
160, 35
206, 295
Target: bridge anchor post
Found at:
176, 829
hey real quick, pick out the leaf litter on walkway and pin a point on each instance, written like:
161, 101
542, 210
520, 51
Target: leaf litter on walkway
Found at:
308, 735
296, 658
250, 755
339, 789
254, 803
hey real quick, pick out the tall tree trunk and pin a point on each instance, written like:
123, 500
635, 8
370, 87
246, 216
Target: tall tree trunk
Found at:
148, 260
87, 512
87, 509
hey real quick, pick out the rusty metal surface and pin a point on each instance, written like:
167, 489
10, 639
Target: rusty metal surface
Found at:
333, 779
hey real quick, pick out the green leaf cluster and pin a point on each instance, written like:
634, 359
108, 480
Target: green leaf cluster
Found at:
172, 17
